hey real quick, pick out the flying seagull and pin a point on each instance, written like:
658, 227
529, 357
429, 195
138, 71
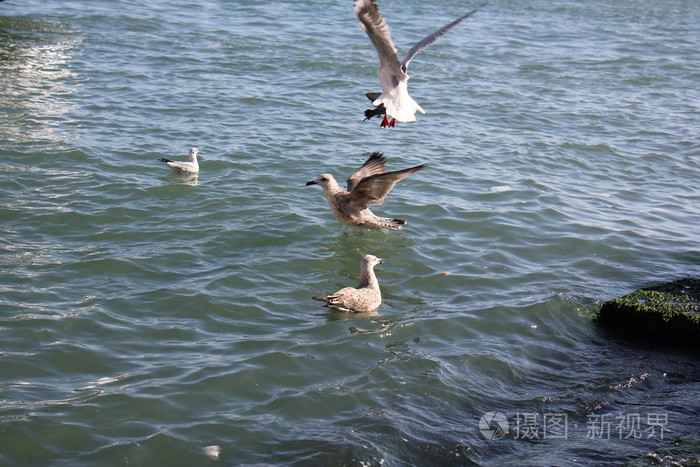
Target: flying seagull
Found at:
392, 72
190, 166
369, 184
365, 298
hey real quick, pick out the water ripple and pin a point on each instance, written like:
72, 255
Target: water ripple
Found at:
147, 316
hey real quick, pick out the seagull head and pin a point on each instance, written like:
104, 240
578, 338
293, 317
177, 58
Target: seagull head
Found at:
193, 153
324, 180
372, 260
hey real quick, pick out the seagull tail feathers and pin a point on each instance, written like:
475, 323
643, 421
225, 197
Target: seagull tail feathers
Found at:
399, 105
390, 223
164, 160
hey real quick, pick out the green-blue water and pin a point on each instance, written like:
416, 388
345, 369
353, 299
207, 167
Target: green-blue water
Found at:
145, 316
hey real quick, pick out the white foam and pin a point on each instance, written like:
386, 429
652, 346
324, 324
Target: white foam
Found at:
212, 452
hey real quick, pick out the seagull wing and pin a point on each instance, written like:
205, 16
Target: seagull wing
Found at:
180, 165
177, 165
426, 41
373, 166
374, 188
374, 24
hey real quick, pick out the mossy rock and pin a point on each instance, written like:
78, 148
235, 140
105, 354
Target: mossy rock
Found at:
667, 313
682, 451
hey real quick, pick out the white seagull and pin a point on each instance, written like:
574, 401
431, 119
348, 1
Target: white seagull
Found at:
394, 98
365, 298
369, 184
190, 166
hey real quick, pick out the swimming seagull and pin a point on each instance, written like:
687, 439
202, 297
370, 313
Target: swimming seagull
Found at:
369, 184
365, 298
190, 166
392, 72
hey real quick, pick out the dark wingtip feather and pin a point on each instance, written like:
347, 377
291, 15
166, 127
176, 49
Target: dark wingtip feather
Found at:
375, 112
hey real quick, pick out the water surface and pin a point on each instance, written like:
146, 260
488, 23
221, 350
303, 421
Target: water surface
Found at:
147, 315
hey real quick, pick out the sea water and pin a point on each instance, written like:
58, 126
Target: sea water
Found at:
148, 318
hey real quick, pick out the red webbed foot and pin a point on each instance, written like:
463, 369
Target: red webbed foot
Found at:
385, 122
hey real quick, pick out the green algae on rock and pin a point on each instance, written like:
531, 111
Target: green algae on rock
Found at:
682, 451
666, 313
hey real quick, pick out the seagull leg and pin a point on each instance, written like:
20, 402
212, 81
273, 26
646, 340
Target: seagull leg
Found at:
385, 122
392, 123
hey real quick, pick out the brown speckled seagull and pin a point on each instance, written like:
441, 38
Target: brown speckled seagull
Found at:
365, 298
370, 184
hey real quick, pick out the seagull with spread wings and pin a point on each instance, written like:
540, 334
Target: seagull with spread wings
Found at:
391, 72
369, 184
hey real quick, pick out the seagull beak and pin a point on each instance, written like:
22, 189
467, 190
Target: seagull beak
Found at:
380, 260
312, 182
